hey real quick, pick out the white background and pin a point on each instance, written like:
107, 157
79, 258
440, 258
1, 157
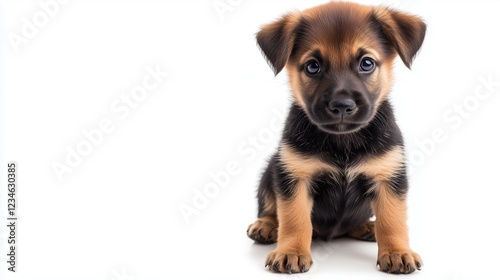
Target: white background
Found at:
117, 215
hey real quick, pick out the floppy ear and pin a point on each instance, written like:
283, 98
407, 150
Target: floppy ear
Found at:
405, 32
276, 40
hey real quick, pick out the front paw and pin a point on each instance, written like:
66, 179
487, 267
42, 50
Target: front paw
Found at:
286, 261
399, 261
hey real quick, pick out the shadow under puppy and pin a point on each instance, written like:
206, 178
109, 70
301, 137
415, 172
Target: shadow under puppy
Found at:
341, 159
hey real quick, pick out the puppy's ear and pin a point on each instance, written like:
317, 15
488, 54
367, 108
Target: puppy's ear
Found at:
405, 32
276, 40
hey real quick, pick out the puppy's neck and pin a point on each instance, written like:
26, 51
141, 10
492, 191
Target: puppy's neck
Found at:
376, 137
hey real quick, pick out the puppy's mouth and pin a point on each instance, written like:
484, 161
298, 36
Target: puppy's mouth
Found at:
342, 123
341, 127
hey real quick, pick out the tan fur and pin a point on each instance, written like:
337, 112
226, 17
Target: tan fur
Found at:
264, 230
295, 85
269, 205
269, 219
380, 168
384, 81
294, 217
364, 232
303, 167
391, 232
295, 232
390, 225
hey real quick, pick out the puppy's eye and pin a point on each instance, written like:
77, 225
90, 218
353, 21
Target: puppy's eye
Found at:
312, 67
366, 65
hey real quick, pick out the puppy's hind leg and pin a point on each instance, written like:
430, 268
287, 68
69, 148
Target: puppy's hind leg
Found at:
265, 229
365, 232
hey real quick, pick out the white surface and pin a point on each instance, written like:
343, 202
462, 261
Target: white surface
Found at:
116, 215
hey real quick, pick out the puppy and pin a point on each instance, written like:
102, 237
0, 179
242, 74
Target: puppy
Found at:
340, 159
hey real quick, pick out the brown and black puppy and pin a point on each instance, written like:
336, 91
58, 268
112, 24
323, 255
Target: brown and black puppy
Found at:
341, 157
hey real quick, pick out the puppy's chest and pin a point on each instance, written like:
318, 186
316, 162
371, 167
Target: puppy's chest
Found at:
343, 173
343, 180
342, 200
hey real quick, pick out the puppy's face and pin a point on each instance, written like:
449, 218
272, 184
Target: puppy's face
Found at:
339, 59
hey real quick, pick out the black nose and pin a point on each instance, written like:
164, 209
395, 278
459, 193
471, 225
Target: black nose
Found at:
342, 106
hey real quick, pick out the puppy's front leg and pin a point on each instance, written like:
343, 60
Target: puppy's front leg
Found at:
293, 253
391, 232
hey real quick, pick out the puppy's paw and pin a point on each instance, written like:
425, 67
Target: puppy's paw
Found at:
264, 230
289, 262
365, 232
399, 261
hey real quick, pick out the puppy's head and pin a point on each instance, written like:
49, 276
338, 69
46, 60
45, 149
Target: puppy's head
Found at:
339, 59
